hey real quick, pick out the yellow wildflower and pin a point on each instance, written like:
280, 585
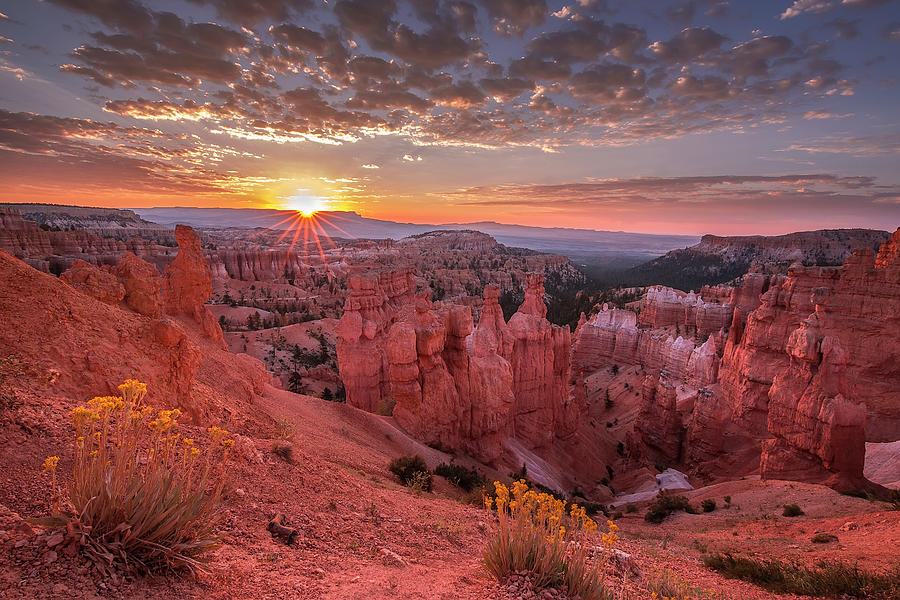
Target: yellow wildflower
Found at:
50, 463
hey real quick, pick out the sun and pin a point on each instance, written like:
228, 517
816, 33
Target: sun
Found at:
305, 203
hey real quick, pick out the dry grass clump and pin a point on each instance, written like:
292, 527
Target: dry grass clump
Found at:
792, 510
667, 585
536, 535
142, 497
282, 439
828, 579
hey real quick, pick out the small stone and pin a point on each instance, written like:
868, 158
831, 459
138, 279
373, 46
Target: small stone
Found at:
393, 557
50, 557
55, 540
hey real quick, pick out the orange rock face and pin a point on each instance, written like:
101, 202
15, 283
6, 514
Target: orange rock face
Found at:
96, 283
187, 284
540, 366
451, 383
143, 291
814, 374
91, 345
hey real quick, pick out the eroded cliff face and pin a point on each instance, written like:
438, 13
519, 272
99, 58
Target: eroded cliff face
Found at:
56, 251
448, 382
794, 388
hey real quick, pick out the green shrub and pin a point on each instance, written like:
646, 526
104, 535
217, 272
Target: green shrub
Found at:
664, 505
824, 538
831, 579
631, 508
460, 476
412, 469
792, 510
708, 505
727, 499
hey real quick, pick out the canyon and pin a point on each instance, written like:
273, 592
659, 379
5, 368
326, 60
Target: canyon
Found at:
786, 371
760, 390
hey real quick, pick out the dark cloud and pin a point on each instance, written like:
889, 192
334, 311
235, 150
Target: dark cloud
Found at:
459, 95
609, 83
753, 57
513, 17
506, 88
441, 44
533, 67
702, 88
846, 29
387, 96
124, 15
251, 12
583, 44
691, 43
299, 37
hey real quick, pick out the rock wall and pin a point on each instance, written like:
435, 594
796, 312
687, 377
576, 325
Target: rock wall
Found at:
814, 373
664, 306
450, 383
612, 337
57, 251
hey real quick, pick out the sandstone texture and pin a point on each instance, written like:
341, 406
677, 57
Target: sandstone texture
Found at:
447, 382
96, 283
187, 284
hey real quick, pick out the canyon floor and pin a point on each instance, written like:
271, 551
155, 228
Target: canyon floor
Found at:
363, 535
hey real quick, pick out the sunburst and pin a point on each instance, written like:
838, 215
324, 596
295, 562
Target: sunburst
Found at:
310, 222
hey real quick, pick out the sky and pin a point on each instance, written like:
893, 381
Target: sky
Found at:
684, 116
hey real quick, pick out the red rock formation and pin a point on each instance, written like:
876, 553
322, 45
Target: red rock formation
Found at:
96, 283
91, 345
889, 255
58, 250
611, 337
663, 306
775, 378
371, 307
659, 422
819, 429
143, 291
449, 384
540, 365
187, 284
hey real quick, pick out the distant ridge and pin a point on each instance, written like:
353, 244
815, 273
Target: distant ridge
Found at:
717, 259
577, 244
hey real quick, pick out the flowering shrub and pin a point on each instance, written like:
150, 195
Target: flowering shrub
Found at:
535, 534
142, 497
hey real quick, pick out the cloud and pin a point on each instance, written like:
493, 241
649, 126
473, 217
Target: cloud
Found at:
720, 201
370, 166
251, 12
46, 150
514, 17
800, 7
506, 88
689, 44
851, 145
411, 158
360, 68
